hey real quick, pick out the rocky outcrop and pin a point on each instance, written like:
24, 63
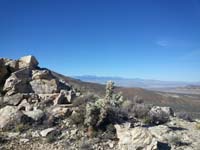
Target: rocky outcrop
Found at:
135, 138
65, 97
60, 111
7, 114
14, 99
28, 62
18, 82
36, 115
160, 115
42, 86
11, 116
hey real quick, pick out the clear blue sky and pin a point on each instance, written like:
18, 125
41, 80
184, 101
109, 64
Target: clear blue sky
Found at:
152, 39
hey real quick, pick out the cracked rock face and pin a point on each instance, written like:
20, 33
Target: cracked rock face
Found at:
135, 138
18, 82
28, 61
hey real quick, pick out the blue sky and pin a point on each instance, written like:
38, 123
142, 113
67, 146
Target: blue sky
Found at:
151, 39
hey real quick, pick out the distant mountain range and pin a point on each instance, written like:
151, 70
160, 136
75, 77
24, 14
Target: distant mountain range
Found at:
137, 82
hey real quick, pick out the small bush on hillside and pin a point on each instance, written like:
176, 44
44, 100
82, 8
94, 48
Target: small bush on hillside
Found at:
184, 116
53, 136
82, 100
77, 118
136, 109
127, 106
21, 127
138, 100
147, 120
104, 111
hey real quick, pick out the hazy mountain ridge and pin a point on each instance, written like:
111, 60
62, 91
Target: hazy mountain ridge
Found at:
137, 82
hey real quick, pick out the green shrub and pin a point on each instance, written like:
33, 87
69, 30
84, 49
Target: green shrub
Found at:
53, 136
50, 138
20, 127
77, 117
185, 116
98, 113
82, 100
147, 120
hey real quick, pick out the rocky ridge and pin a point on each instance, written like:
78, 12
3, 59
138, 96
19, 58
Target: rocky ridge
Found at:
40, 111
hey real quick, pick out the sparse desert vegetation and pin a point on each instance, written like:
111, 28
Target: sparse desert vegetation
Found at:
59, 116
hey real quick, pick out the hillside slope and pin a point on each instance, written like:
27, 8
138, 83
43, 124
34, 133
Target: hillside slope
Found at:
179, 102
43, 110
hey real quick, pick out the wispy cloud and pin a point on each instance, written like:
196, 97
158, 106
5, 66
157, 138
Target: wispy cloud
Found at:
163, 43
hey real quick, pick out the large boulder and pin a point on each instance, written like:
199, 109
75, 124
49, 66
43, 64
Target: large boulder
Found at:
135, 138
10, 116
28, 61
14, 99
24, 62
13, 65
36, 115
7, 115
18, 82
24, 105
60, 112
160, 115
65, 97
43, 86
161, 132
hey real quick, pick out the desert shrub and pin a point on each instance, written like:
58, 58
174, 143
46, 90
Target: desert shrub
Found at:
104, 111
82, 100
127, 106
147, 120
138, 100
136, 108
110, 132
78, 116
20, 127
116, 116
140, 110
185, 116
97, 114
53, 136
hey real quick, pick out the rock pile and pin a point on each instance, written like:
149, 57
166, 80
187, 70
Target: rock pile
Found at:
26, 88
